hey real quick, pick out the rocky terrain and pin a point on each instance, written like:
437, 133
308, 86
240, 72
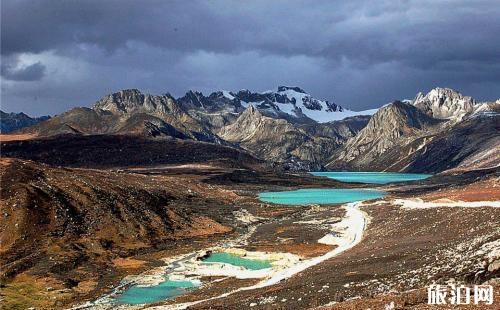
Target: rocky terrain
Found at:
61, 228
128, 112
392, 123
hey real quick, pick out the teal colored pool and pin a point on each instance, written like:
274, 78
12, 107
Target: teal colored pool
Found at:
235, 260
373, 177
145, 295
320, 196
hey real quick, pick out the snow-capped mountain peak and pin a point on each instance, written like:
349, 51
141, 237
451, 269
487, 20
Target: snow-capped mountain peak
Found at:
444, 103
287, 102
294, 102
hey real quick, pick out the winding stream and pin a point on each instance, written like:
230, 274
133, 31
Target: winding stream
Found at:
182, 274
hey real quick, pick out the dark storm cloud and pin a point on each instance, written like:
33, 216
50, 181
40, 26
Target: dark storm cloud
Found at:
32, 72
181, 25
358, 53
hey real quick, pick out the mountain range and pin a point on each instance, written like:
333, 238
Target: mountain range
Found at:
433, 132
436, 132
10, 122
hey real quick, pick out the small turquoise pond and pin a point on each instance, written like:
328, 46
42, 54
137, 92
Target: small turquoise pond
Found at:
373, 177
235, 260
320, 196
145, 295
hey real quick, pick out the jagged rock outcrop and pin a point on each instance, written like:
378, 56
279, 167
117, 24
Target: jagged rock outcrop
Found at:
129, 112
215, 102
10, 122
444, 103
217, 110
131, 102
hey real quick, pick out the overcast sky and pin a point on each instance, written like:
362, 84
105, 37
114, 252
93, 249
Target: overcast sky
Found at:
359, 54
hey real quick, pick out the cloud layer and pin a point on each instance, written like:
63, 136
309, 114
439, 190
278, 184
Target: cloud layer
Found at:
360, 54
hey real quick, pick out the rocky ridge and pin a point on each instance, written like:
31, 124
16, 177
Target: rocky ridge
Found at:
291, 139
435, 132
285, 142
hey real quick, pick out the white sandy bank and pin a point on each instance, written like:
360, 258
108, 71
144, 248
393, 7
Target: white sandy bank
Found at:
418, 203
348, 233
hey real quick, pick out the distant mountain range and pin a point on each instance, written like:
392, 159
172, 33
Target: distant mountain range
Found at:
10, 122
436, 131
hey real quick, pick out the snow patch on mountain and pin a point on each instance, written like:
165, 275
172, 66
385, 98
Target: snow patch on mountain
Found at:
321, 111
486, 109
295, 102
228, 95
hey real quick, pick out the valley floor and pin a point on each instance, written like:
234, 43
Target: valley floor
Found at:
403, 250
406, 244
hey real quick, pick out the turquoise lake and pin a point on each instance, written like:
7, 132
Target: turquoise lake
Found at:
145, 295
320, 196
235, 260
135, 295
373, 177
172, 288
